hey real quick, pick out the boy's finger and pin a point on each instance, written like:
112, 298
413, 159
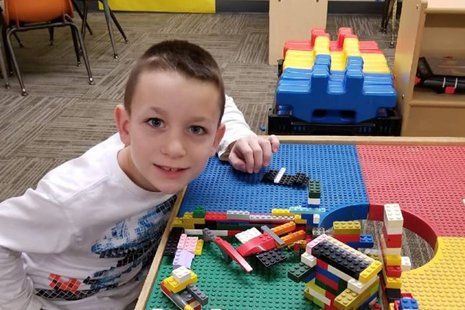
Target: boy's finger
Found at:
243, 150
236, 162
257, 155
274, 143
266, 151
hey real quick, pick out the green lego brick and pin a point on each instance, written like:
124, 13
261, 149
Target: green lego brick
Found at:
314, 189
199, 212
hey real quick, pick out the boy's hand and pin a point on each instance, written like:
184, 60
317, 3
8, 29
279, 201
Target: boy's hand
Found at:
251, 153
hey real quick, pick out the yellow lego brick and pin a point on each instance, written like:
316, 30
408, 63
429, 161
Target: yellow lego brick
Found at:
199, 247
346, 227
370, 271
297, 53
322, 42
393, 282
391, 306
199, 221
175, 287
315, 287
346, 300
177, 222
188, 307
188, 220
284, 228
298, 219
392, 260
307, 294
281, 212
293, 237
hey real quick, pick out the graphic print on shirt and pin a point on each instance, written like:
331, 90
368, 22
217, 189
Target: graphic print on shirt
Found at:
133, 242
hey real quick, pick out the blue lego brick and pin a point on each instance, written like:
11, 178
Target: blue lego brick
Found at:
327, 274
221, 188
407, 303
319, 95
366, 241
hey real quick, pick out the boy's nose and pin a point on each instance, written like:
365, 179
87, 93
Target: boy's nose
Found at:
174, 148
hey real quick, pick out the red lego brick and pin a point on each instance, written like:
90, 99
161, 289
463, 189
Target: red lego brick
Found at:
231, 251
392, 241
256, 245
330, 295
347, 238
215, 216
393, 271
327, 281
322, 264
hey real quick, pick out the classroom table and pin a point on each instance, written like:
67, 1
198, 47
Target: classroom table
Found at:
426, 176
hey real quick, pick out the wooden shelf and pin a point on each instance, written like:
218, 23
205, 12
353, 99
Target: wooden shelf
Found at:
445, 6
429, 98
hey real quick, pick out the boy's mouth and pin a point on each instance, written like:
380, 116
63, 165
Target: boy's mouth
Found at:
170, 169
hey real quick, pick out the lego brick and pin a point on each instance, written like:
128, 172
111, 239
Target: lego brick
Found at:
346, 300
174, 286
388, 250
393, 271
279, 175
272, 257
314, 202
181, 274
393, 216
177, 222
237, 215
265, 218
392, 260
314, 189
284, 228
360, 287
215, 216
346, 227
304, 210
172, 244
248, 235
199, 212
199, 232
191, 244
199, 247
371, 271
366, 241
275, 237
314, 242
293, 237
328, 283
182, 241
233, 254
406, 264
197, 294
280, 212
316, 219
392, 241
256, 245
317, 292
183, 258
407, 303
347, 238
298, 220
308, 259
299, 272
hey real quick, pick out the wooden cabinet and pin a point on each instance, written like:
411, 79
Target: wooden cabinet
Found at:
293, 20
429, 28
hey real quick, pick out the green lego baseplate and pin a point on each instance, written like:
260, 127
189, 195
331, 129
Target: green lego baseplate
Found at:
229, 287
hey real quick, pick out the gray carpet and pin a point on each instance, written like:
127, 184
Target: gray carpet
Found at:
63, 116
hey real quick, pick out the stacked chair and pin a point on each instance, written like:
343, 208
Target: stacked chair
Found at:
25, 15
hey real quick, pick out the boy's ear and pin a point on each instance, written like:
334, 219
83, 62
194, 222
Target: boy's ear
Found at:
219, 135
122, 122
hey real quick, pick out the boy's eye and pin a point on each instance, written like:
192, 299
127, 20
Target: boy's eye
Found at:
155, 122
197, 130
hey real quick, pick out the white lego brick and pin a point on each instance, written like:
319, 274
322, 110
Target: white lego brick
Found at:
393, 216
199, 232
237, 215
390, 230
316, 219
314, 201
182, 241
308, 259
340, 274
406, 264
181, 274
359, 287
266, 218
389, 251
318, 296
248, 234
279, 176
314, 242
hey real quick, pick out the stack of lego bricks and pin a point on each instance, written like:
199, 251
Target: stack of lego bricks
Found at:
349, 232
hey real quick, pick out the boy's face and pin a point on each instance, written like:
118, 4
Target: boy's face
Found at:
171, 132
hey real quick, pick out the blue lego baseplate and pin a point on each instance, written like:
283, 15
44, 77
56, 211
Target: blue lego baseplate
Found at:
221, 188
319, 95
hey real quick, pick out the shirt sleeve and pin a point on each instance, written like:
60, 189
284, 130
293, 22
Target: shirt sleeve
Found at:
32, 223
236, 126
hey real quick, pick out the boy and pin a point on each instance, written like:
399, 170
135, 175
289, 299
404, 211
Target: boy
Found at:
88, 233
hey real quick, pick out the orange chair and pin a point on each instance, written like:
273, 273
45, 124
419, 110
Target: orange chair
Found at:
24, 15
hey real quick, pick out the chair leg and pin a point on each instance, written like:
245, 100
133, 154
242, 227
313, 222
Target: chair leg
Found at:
51, 32
106, 10
15, 63
113, 17
3, 67
84, 20
75, 29
81, 15
76, 47
17, 39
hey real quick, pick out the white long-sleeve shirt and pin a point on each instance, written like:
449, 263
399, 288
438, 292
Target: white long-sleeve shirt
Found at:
85, 237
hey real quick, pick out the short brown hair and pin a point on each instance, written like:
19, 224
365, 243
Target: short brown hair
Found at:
183, 57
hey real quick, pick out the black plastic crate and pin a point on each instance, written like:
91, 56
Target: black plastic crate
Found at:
388, 125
